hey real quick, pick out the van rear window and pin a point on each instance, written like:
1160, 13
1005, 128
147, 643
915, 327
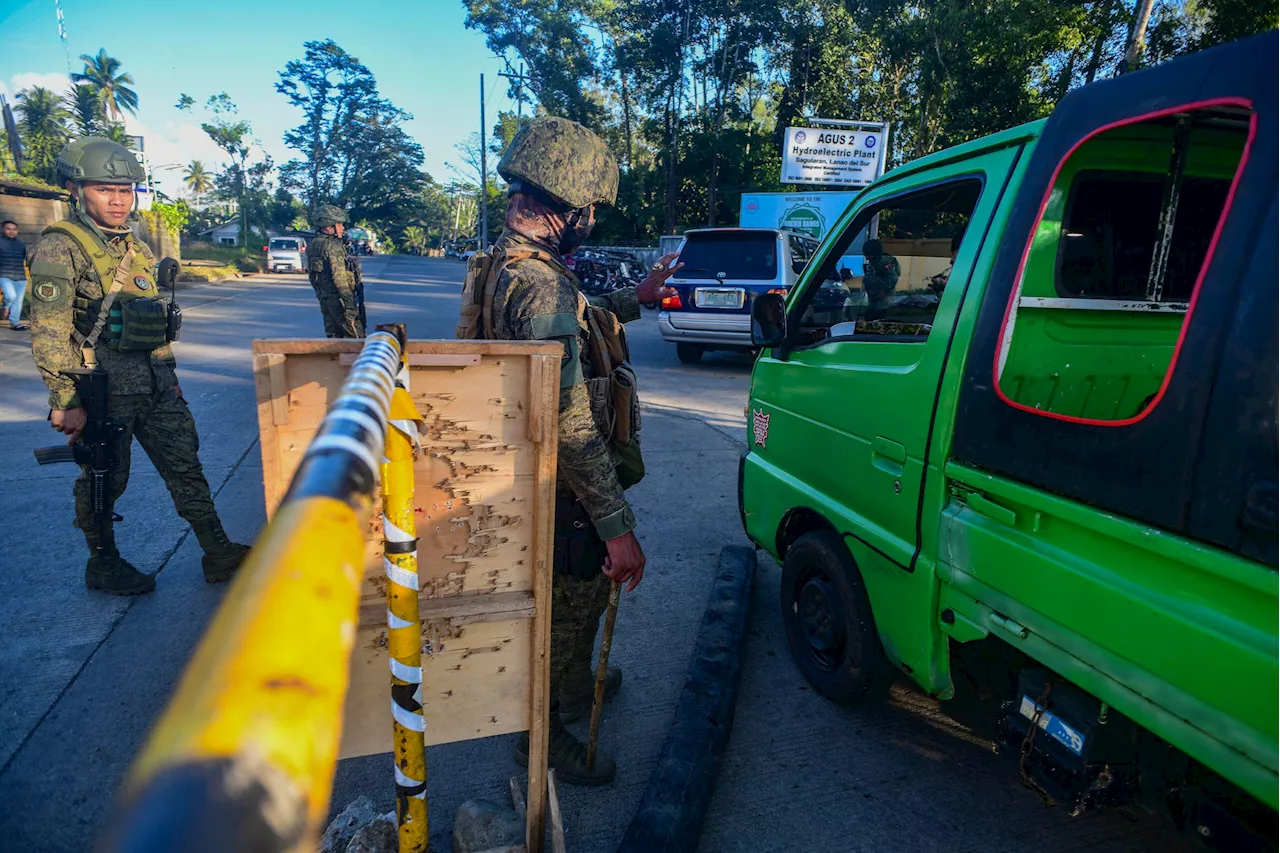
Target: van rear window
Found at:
285, 245
749, 255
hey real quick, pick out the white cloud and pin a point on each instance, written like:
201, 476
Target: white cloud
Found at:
57, 83
174, 142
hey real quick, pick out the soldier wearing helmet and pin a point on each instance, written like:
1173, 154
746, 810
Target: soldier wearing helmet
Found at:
332, 276
96, 305
558, 171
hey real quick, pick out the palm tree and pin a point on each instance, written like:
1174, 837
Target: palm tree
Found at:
415, 238
42, 127
197, 179
85, 107
101, 72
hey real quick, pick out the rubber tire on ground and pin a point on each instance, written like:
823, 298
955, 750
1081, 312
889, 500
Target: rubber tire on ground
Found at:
852, 670
689, 353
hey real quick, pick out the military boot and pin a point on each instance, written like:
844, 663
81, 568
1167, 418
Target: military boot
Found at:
578, 689
568, 757
111, 573
221, 556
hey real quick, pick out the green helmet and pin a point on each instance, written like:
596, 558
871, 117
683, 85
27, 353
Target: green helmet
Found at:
564, 160
328, 214
96, 158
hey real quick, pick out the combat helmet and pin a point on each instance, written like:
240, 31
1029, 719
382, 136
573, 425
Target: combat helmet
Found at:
96, 158
328, 214
564, 160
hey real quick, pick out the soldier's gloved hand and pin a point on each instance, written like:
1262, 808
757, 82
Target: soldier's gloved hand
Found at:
654, 286
625, 563
69, 422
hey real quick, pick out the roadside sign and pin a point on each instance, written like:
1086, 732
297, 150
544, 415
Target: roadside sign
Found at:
846, 154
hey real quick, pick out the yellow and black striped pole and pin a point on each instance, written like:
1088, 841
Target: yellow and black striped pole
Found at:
244, 755
404, 630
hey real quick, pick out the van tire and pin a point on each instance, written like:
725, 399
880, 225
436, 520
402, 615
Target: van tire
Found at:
689, 353
829, 624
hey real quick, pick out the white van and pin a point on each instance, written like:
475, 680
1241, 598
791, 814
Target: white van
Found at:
288, 254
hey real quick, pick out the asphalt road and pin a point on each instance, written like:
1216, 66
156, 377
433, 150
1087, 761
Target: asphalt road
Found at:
82, 676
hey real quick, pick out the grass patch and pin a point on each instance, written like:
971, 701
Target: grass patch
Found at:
207, 272
241, 259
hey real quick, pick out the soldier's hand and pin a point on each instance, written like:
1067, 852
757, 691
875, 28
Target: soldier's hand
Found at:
69, 422
654, 286
625, 563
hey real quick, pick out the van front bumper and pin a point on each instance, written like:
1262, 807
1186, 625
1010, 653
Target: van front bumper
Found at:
686, 327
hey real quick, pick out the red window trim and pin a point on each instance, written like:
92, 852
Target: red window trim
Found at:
1195, 291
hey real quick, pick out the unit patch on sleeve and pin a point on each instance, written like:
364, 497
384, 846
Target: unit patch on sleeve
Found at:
46, 291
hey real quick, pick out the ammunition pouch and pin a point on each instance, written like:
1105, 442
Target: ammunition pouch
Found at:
579, 552
134, 324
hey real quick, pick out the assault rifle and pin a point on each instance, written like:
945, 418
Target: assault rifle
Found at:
98, 449
353, 264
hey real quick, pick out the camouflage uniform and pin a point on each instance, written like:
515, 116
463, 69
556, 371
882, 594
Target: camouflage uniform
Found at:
557, 170
880, 275
333, 283
142, 386
536, 300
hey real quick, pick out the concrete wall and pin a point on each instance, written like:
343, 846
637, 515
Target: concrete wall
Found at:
163, 242
33, 215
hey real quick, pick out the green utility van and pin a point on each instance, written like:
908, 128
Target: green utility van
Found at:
1042, 483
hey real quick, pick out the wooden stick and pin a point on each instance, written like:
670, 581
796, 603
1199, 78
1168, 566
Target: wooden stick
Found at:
602, 673
557, 819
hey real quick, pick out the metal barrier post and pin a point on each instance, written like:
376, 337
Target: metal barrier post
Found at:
404, 629
244, 755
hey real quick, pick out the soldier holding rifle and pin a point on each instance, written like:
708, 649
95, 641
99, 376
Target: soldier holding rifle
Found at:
100, 337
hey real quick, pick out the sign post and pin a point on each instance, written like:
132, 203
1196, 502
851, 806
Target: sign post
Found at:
835, 153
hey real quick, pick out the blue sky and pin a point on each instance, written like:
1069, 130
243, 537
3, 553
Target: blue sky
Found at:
425, 61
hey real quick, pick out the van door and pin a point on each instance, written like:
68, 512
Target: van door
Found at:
852, 398
1114, 449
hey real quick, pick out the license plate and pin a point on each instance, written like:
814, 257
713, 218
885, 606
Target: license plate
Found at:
705, 297
1054, 726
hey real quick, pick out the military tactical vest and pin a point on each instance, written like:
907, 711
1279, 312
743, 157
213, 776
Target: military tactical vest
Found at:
615, 405
136, 317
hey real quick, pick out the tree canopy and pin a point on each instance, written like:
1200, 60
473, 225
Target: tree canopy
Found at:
694, 95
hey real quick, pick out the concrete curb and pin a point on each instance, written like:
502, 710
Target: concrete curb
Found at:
669, 819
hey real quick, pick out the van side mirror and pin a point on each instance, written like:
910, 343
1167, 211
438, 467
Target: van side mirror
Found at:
768, 320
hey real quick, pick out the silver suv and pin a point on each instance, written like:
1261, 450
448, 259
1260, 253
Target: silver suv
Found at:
725, 269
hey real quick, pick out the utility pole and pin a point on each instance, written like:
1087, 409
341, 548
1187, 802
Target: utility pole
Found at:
484, 178
520, 80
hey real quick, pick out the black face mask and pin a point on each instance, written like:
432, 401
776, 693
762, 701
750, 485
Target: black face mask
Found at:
578, 225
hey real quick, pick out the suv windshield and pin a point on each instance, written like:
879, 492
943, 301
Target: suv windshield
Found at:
284, 245
730, 254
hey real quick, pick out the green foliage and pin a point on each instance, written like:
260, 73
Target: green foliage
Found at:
693, 95
198, 179
84, 108
42, 126
353, 146
174, 215
113, 88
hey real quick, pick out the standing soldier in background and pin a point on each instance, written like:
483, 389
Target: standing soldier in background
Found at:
879, 277
557, 171
95, 305
328, 266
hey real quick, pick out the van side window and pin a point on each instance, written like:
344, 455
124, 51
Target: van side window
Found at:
1110, 230
1110, 272
890, 290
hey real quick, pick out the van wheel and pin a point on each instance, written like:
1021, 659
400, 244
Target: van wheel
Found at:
689, 353
829, 624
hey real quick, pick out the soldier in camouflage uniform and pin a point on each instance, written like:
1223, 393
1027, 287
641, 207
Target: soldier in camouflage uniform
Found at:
557, 171
879, 277
334, 284
68, 266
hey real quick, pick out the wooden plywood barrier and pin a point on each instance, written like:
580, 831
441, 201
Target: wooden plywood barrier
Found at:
484, 500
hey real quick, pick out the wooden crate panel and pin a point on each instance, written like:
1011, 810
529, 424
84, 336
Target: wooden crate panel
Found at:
475, 683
